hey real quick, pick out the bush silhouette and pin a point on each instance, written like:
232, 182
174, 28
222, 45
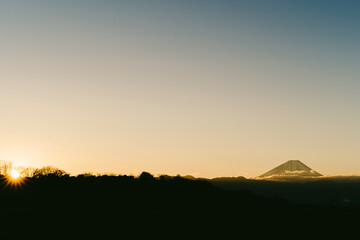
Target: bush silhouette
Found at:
146, 177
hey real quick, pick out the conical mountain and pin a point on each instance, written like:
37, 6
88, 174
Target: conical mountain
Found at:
292, 168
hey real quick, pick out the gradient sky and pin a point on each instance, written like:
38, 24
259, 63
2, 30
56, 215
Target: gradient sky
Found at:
207, 88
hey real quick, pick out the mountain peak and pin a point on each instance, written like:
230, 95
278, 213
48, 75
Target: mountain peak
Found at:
291, 168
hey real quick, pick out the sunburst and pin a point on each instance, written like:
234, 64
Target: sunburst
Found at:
15, 179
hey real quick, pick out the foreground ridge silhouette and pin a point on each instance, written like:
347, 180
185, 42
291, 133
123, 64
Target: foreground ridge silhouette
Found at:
52, 203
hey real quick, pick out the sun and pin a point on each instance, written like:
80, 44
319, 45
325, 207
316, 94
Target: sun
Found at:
14, 174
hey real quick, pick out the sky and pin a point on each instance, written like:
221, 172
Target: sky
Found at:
203, 88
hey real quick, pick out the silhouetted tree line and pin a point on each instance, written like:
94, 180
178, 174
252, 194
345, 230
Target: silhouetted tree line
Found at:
53, 203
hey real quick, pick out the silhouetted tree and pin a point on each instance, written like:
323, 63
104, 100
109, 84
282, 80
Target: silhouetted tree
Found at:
49, 171
5, 167
28, 172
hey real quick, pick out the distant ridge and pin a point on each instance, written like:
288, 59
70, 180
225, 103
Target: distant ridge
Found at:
291, 168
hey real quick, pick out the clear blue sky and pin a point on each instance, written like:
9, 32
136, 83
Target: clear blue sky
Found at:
208, 88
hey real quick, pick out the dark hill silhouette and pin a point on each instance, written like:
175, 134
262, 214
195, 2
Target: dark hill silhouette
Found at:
54, 204
335, 191
144, 206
